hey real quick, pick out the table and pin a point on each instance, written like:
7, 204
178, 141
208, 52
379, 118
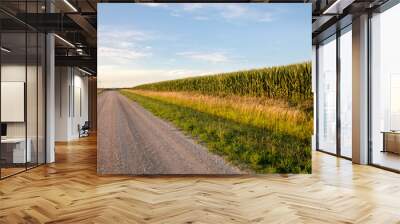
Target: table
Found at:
18, 151
391, 141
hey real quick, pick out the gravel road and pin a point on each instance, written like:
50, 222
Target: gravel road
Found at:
133, 141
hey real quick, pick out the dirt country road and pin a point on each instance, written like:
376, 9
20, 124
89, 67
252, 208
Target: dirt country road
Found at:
133, 141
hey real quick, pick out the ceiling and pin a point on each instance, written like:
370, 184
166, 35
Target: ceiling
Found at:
331, 15
75, 22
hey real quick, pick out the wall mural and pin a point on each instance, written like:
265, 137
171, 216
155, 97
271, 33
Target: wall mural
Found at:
204, 88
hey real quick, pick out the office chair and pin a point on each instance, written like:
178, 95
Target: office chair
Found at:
84, 130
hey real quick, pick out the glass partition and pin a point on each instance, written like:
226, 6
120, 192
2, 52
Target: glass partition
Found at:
327, 95
41, 107
14, 153
31, 100
346, 92
385, 89
22, 78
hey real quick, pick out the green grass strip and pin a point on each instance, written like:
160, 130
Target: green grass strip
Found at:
246, 146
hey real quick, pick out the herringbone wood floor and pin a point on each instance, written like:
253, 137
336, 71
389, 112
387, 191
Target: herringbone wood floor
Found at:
69, 191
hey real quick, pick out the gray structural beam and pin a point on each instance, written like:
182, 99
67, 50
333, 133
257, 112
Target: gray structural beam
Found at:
360, 90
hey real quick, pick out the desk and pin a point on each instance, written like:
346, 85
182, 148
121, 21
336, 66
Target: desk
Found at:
391, 141
18, 150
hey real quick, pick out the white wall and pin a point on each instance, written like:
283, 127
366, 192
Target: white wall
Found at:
62, 83
80, 110
12, 73
71, 94
33, 127
13, 100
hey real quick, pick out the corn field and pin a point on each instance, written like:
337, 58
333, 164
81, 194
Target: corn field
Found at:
289, 82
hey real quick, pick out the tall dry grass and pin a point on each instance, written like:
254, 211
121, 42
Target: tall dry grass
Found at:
260, 118
227, 127
276, 115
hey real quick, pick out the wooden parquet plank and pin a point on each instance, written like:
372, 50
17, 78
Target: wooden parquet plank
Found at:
70, 191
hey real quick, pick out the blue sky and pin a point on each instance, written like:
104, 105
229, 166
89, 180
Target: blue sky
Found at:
149, 42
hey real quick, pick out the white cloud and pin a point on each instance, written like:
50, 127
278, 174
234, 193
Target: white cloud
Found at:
233, 11
122, 37
116, 77
213, 57
120, 53
242, 12
175, 14
201, 18
229, 12
118, 45
193, 6
266, 18
152, 4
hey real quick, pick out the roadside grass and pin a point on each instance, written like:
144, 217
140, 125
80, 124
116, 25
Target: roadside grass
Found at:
275, 115
243, 132
100, 91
